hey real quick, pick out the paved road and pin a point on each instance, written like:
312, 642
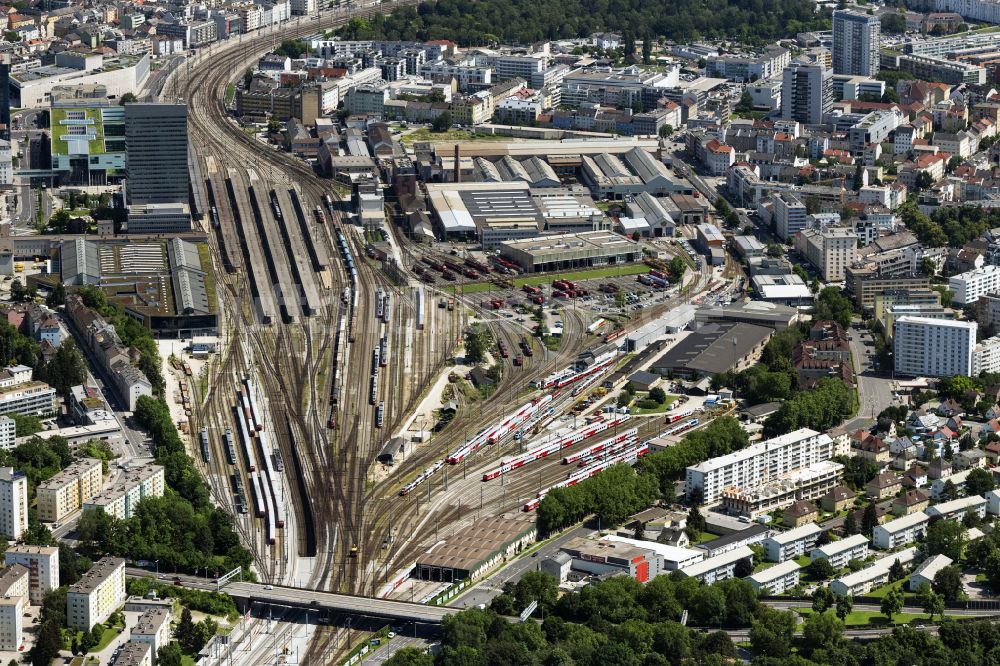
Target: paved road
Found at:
874, 392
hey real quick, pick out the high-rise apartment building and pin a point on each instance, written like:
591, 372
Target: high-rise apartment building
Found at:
856, 43
156, 149
933, 347
99, 593
806, 93
789, 214
13, 503
969, 286
759, 463
42, 563
830, 250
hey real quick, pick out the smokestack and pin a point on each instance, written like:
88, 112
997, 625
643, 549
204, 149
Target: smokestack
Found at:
458, 166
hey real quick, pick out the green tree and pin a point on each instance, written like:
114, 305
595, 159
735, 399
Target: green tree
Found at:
171, 655
665, 131
869, 519
48, 644
896, 571
676, 267
822, 598
831, 304
850, 524
410, 656
771, 633
442, 122
820, 569
823, 630
930, 601
127, 98
845, 605
945, 537
660, 396
57, 296
979, 482
477, 340
892, 603
948, 582
185, 630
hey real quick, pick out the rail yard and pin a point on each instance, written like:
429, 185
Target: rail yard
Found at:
328, 355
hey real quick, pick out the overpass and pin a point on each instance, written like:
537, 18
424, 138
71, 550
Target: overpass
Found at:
346, 604
294, 597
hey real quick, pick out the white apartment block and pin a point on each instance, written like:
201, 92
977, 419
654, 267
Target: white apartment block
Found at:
98, 594
831, 250
969, 286
8, 433
957, 508
927, 570
15, 581
67, 491
13, 503
986, 356
924, 346
759, 463
993, 502
957, 480
136, 653
121, 500
720, 567
839, 553
900, 532
777, 579
867, 579
12, 622
791, 544
789, 214
152, 627
42, 563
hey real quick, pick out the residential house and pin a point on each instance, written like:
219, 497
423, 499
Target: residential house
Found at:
838, 499
971, 459
912, 501
884, 485
800, 513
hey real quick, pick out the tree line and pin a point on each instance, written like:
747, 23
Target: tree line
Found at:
620, 622
485, 22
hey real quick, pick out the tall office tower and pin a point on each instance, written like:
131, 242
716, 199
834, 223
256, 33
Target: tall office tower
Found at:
13, 503
156, 153
806, 93
855, 43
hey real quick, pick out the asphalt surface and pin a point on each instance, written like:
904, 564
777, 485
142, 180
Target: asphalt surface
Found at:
874, 392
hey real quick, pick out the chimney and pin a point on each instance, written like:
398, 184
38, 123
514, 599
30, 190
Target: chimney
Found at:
458, 166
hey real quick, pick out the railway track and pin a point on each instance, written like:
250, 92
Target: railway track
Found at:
341, 516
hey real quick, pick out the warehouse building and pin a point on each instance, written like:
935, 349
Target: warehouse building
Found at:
475, 549
609, 557
714, 349
569, 251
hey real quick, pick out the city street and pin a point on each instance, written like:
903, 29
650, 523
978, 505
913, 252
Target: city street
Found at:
874, 393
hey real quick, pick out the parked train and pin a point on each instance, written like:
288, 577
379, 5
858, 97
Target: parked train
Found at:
206, 452
570, 375
554, 446
230, 446
498, 431
629, 456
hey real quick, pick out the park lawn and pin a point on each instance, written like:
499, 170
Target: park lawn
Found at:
803, 560
187, 660
881, 592
230, 93
671, 399
106, 638
703, 537
872, 618
591, 274
761, 566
